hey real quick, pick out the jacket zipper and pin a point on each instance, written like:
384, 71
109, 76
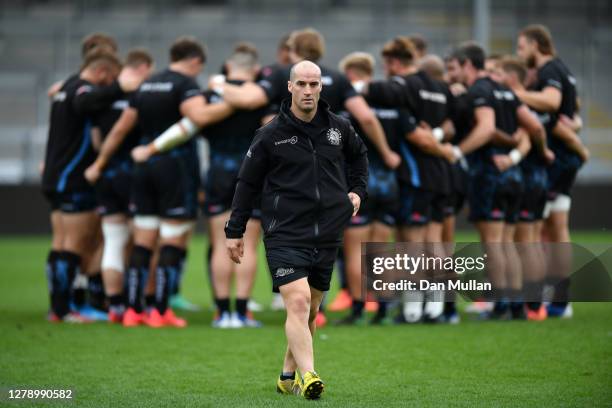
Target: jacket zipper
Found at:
317, 192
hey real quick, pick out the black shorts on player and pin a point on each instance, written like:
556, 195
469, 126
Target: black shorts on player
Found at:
113, 190
72, 202
419, 207
494, 198
166, 185
290, 264
533, 199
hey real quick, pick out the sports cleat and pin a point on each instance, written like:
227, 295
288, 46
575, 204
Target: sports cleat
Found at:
412, 311
563, 311
91, 313
312, 386
288, 387
74, 317
254, 306
451, 318
341, 302
115, 317
223, 321
178, 302
320, 320
537, 315
239, 321
381, 320
131, 318
172, 320
479, 307
53, 318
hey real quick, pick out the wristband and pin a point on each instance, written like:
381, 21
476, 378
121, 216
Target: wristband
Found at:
358, 86
515, 156
457, 152
438, 133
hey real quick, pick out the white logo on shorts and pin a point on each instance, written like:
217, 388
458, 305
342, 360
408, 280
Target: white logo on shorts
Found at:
334, 136
280, 272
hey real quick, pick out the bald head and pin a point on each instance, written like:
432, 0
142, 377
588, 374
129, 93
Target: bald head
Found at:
305, 88
433, 66
304, 68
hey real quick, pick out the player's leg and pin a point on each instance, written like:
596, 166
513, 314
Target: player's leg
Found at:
221, 270
296, 296
245, 273
52, 257
381, 232
354, 235
116, 231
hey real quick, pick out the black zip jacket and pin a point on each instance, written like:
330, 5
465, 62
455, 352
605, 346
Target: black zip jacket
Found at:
305, 171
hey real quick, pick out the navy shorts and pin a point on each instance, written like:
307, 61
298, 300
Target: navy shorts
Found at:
561, 177
533, 199
382, 204
220, 185
288, 264
418, 207
166, 186
72, 202
493, 198
113, 190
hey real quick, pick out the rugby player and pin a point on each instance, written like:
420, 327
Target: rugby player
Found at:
113, 192
69, 151
554, 93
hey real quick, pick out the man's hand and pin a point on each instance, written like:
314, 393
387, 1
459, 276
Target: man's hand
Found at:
457, 89
143, 153
392, 160
92, 173
356, 200
235, 249
503, 162
449, 153
129, 79
549, 156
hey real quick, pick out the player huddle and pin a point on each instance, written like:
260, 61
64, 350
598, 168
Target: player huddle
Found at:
122, 171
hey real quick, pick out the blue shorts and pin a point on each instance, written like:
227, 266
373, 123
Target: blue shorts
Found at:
418, 207
533, 199
113, 190
382, 204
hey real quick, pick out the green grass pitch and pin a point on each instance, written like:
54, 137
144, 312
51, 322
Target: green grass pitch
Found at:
492, 364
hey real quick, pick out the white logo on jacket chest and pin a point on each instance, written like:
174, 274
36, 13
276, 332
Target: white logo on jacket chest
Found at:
334, 136
292, 140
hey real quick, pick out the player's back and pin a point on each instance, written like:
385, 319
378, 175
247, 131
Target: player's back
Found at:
158, 102
233, 135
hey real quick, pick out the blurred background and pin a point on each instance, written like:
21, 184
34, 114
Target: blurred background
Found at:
40, 43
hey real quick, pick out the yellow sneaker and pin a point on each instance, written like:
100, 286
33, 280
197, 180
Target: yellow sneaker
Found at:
312, 386
288, 387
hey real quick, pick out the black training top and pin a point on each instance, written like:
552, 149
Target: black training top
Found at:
305, 170
158, 102
69, 151
233, 135
485, 92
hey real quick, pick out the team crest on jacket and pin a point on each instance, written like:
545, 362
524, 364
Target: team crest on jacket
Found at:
334, 136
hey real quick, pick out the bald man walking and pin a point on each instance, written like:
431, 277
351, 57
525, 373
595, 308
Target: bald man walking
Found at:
298, 162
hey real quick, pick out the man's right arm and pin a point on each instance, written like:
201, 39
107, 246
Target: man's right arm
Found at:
250, 182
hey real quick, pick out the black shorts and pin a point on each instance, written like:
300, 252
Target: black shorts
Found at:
220, 184
290, 264
492, 199
418, 207
72, 202
533, 199
113, 191
560, 180
382, 204
166, 186
454, 203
